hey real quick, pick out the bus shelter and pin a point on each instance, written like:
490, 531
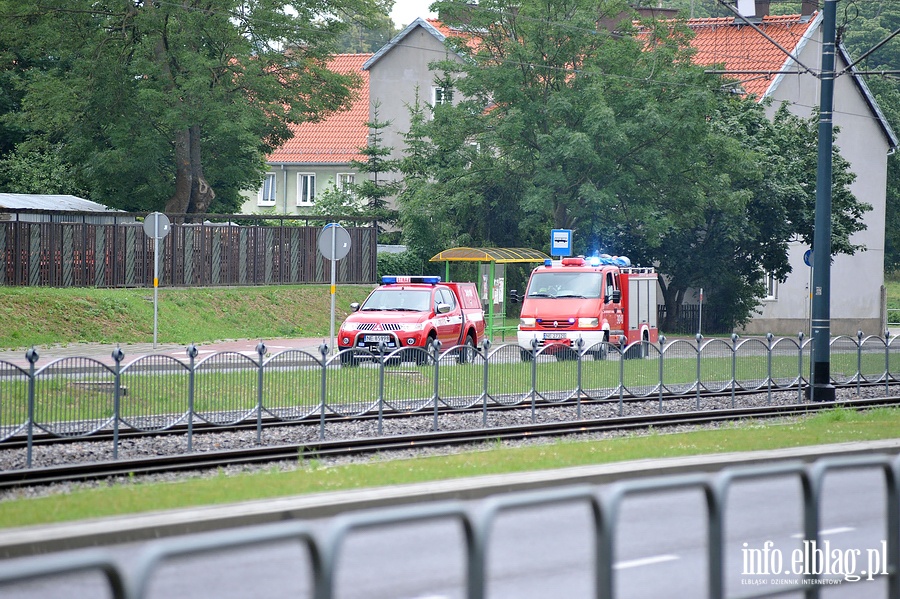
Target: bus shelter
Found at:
492, 275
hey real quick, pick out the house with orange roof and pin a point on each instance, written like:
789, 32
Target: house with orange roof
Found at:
767, 56
777, 57
318, 155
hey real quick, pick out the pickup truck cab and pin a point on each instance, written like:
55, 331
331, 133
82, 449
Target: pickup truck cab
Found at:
411, 311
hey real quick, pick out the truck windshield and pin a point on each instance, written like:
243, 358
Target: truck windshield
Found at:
412, 300
565, 284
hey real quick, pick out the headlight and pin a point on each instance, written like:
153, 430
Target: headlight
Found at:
349, 327
410, 327
527, 322
588, 323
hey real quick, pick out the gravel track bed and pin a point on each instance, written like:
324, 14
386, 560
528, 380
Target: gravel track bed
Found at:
174, 444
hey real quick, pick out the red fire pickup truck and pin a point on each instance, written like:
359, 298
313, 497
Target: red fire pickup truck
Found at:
411, 312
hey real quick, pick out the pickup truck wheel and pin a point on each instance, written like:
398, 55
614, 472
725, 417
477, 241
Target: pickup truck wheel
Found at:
422, 354
526, 355
467, 352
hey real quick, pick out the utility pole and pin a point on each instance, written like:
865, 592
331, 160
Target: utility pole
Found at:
820, 387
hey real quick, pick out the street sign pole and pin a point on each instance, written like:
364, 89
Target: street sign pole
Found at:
155, 282
333, 281
156, 226
333, 244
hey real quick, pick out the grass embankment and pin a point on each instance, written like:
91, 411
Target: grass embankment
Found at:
122, 498
47, 316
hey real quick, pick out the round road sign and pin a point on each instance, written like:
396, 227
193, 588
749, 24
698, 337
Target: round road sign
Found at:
156, 225
334, 241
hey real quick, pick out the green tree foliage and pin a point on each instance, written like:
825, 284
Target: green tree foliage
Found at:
624, 140
170, 105
359, 38
374, 190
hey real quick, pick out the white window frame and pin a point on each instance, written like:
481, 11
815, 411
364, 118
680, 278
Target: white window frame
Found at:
771, 287
309, 198
261, 200
439, 95
343, 181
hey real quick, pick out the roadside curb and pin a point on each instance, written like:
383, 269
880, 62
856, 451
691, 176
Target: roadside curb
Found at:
34, 540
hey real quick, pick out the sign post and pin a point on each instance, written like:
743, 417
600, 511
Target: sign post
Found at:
156, 226
333, 244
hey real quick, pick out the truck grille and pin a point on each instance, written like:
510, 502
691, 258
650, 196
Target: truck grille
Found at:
556, 325
372, 326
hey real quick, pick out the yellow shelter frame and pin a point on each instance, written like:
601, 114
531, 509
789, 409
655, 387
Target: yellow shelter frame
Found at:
491, 256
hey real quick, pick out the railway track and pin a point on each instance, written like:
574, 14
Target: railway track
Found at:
291, 452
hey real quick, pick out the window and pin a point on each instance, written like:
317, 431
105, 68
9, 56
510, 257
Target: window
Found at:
267, 193
345, 181
306, 189
771, 287
442, 95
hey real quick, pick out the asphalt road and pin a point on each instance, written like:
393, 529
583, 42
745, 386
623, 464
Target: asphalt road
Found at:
547, 552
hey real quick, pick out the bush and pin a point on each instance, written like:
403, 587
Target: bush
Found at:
404, 263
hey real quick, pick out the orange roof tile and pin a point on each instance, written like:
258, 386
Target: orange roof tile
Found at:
472, 40
739, 47
337, 138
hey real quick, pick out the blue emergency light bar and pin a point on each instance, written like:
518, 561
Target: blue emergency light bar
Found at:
393, 279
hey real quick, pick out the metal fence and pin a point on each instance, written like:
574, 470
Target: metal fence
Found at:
477, 523
79, 397
208, 254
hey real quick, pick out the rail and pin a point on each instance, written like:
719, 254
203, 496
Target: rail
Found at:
79, 397
133, 580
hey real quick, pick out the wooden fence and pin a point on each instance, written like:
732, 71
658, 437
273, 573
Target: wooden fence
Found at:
120, 255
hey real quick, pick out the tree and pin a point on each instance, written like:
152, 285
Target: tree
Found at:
173, 105
624, 140
373, 192
359, 38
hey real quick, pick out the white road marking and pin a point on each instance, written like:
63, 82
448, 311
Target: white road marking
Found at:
645, 561
828, 531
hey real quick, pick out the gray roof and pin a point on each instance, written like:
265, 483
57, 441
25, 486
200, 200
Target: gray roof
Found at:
419, 22
56, 203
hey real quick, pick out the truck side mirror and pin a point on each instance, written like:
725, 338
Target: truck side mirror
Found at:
616, 296
514, 296
443, 308
354, 307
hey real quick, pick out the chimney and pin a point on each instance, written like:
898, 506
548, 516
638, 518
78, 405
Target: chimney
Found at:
762, 8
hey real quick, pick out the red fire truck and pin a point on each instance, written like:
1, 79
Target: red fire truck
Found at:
596, 299
409, 312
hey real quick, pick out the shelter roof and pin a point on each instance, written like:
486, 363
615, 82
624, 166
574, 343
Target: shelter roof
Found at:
59, 203
498, 255
337, 138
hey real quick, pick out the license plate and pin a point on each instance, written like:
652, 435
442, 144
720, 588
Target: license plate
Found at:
554, 335
378, 338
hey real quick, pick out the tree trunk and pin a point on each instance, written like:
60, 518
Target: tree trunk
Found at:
181, 199
202, 193
673, 298
193, 194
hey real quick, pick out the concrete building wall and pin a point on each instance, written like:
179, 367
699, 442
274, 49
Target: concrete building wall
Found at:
398, 75
857, 282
